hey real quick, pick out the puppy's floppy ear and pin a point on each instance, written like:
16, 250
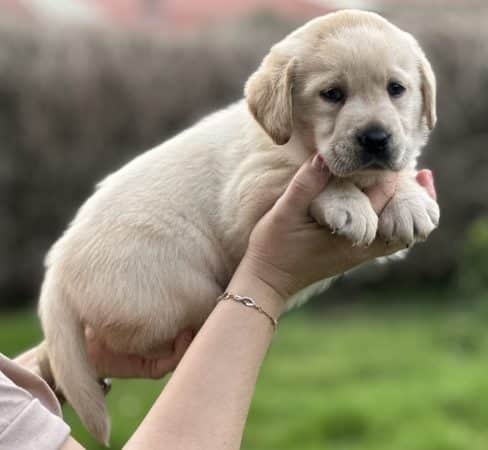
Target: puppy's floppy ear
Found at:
269, 96
428, 88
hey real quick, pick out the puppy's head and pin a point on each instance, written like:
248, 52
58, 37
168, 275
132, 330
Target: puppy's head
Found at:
350, 85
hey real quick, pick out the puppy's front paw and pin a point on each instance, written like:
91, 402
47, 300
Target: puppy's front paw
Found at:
352, 217
409, 217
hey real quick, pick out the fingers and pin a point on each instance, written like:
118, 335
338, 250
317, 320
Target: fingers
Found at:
126, 365
381, 248
380, 194
308, 182
426, 180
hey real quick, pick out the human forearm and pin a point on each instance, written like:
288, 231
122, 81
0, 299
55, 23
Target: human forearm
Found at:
206, 401
205, 404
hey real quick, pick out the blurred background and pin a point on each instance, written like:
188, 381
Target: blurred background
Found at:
395, 355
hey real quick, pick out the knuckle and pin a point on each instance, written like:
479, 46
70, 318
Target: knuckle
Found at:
300, 188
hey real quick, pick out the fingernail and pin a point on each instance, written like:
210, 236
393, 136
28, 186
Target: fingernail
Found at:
89, 333
318, 162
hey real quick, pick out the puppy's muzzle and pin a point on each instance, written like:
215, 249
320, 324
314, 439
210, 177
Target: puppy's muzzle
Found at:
375, 150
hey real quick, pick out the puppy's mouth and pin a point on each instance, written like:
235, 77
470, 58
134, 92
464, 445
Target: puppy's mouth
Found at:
355, 163
344, 169
376, 165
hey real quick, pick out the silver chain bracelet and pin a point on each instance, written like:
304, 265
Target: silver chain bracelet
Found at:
250, 303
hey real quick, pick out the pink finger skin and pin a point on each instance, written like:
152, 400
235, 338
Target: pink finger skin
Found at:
426, 180
380, 194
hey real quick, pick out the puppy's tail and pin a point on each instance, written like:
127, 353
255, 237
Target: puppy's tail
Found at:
63, 354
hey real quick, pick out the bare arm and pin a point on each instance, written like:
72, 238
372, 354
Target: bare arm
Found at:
206, 401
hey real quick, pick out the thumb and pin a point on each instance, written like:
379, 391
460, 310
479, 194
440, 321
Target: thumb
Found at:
308, 182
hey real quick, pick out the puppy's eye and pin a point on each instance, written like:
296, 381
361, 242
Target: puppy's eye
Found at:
395, 89
334, 95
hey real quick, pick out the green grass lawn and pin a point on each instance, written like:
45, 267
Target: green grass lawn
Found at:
378, 378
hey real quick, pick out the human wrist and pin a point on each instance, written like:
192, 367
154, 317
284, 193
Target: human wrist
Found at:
248, 281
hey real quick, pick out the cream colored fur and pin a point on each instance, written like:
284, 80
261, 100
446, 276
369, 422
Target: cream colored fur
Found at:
148, 254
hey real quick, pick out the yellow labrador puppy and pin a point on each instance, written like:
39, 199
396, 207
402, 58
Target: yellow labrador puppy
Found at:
148, 254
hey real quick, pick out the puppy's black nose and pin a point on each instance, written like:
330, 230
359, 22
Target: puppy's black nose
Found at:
374, 141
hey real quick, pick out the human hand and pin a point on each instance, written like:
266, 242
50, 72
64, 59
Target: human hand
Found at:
288, 250
108, 363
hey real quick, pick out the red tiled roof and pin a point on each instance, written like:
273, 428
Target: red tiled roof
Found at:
184, 15
15, 7
190, 14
